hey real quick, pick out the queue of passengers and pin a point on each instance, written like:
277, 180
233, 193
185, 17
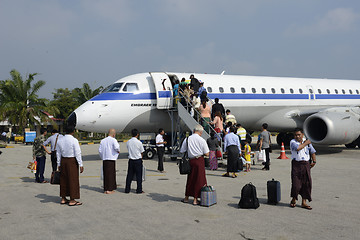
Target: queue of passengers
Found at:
69, 162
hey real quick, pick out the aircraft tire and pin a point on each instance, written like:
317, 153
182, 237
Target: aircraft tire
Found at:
351, 145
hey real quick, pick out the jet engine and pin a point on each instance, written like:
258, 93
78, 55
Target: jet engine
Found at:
332, 128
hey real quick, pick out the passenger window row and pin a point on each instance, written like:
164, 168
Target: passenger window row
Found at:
282, 90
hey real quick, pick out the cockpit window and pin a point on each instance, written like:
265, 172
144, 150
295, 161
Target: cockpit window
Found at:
113, 88
130, 87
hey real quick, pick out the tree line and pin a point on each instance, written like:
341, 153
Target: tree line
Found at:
21, 106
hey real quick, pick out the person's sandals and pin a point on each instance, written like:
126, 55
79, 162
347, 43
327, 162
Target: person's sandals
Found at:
292, 204
306, 207
109, 192
66, 202
184, 201
234, 176
226, 175
75, 204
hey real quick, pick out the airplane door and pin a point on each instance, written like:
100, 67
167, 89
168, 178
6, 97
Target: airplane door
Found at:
163, 88
311, 92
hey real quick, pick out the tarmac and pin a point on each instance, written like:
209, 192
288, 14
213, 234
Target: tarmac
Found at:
33, 210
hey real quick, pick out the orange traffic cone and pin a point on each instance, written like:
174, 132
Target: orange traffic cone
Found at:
282, 152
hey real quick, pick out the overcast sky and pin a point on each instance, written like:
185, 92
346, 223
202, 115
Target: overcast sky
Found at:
70, 42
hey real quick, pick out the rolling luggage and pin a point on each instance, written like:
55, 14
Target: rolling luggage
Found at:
273, 191
208, 196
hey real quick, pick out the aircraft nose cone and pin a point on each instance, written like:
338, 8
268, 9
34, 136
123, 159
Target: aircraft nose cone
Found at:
71, 120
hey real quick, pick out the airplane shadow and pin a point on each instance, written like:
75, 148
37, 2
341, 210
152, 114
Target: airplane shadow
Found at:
48, 198
163, 197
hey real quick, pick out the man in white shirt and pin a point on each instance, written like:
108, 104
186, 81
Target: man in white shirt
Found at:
69, 160
135, 165
109, 150
301, 182
55, 136
160, 147
196, 148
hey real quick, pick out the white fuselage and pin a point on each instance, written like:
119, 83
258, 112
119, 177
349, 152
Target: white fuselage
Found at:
283, 103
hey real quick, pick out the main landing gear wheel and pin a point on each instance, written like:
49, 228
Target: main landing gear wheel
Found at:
354, 144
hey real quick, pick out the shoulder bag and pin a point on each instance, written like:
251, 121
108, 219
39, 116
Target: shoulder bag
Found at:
184, 165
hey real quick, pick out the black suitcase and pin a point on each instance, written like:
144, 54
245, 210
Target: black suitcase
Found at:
273, 191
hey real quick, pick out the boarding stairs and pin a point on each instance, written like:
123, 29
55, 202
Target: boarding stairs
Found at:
182, 123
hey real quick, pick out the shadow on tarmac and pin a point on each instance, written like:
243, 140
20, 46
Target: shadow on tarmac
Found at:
91, 157
28, 179
163, 197
95, 189
262, 201
48, 198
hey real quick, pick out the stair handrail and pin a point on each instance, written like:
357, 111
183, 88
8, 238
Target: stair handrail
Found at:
199, 114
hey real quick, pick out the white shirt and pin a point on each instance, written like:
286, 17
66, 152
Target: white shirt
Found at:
197, 146
303, 154
135, 148
109, 149
52, 140
68, 146
159, 139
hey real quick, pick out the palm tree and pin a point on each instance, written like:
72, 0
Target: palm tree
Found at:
85, 93
19, 102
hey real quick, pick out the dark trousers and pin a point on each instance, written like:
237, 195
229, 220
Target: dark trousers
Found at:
267, 156
40, 169
160, 152
134, 167
53, 161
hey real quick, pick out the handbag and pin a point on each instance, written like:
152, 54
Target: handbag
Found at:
218, 154
208, 196
184, 164
261, 156
32, 166
55, 178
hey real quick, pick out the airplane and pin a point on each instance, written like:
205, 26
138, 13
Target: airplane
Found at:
327, 109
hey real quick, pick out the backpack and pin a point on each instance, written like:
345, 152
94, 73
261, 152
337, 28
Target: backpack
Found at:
248, 197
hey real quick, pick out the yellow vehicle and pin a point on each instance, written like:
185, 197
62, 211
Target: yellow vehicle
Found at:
19, 139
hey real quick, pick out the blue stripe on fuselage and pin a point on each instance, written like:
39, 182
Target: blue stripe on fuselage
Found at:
124, 96
228, 96
165, 94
